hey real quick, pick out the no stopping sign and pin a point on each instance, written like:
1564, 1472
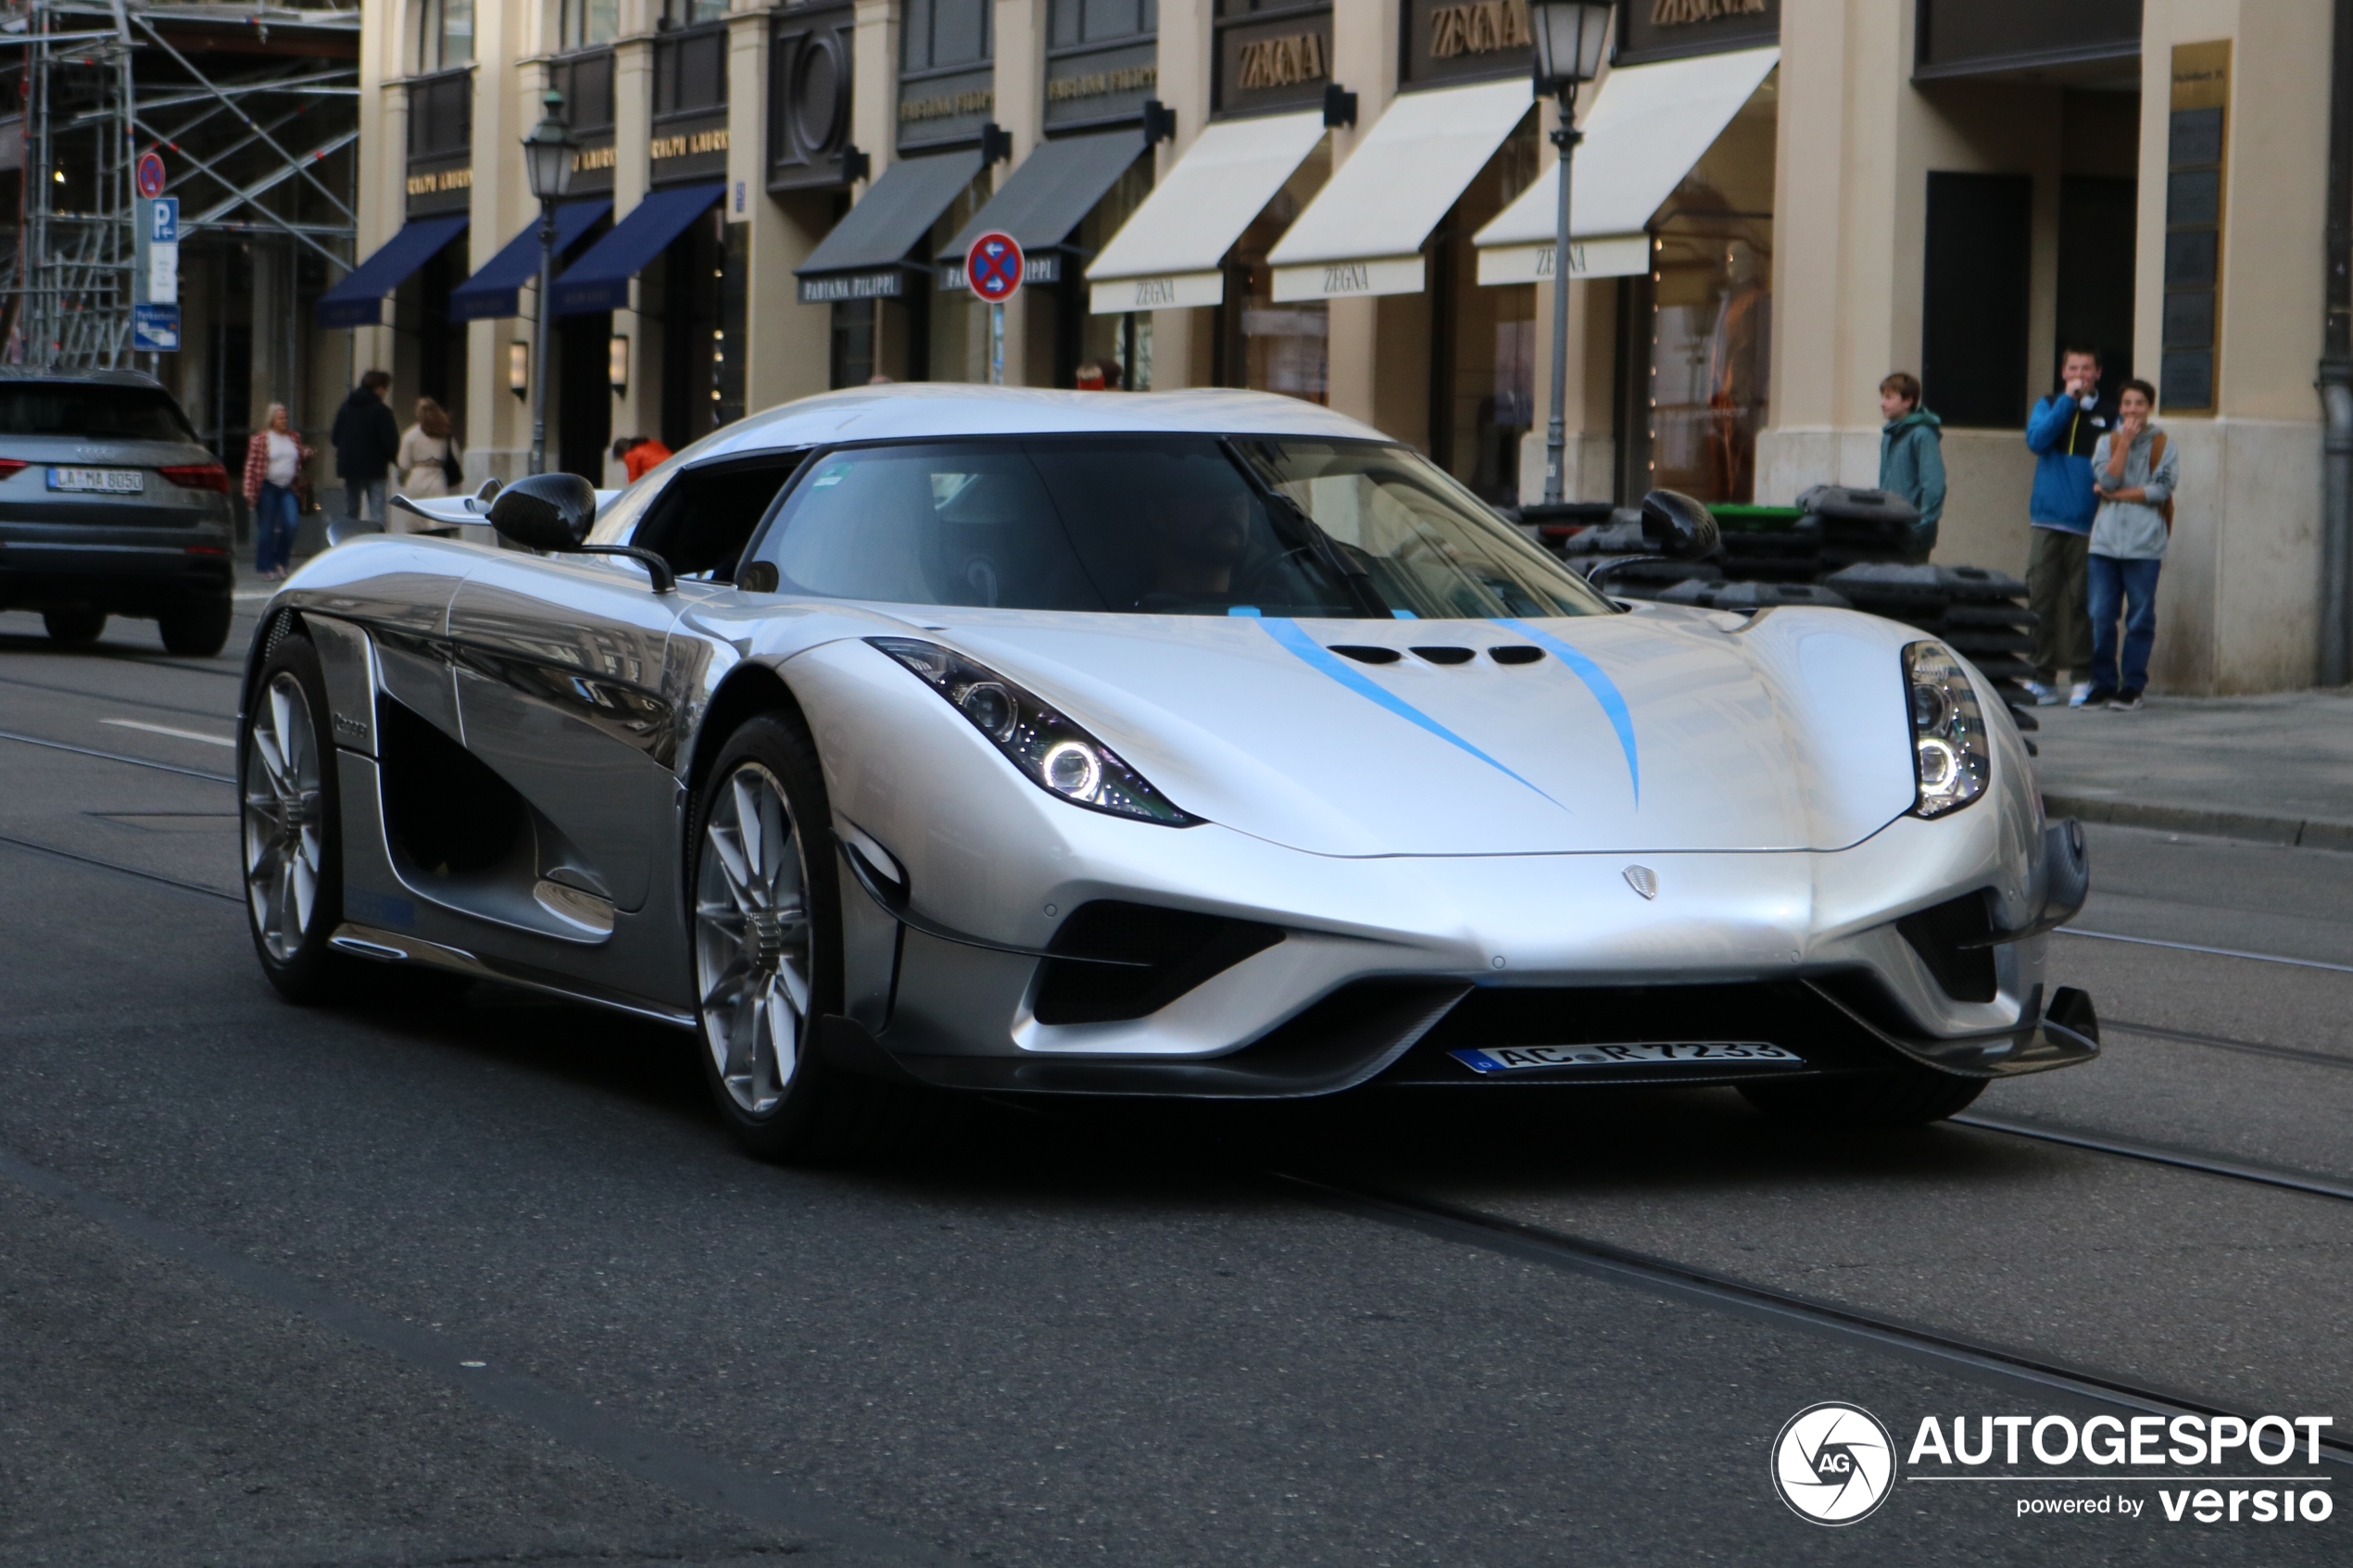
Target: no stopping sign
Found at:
992, 267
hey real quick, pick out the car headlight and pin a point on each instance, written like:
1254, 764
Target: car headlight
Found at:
1951, 756
1055, 754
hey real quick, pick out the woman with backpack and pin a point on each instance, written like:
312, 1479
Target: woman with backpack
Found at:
428, 463
2134, 472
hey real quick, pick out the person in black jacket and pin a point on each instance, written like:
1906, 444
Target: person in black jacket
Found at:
367, 439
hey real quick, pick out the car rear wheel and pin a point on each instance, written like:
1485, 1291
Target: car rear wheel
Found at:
74, 625
1896, 1097
292, 826
197, 629
767, 953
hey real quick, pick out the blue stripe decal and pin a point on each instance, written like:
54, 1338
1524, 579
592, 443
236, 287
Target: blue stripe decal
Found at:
1287, 632
1605, 692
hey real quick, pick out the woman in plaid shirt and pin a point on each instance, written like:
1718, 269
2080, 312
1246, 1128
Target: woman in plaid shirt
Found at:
273, 460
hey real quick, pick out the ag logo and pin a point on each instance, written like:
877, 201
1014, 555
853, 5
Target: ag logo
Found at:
1833, 1463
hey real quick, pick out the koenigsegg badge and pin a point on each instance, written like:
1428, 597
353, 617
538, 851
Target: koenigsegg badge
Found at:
1642, 880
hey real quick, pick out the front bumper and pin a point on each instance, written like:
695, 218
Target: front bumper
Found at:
1797, 949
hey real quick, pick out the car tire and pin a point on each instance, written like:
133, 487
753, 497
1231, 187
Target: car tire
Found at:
75, 625
1898, 1097
291, 825
197, 629
764, 934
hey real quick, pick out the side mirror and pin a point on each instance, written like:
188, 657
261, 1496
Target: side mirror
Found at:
1676, 525
547, 512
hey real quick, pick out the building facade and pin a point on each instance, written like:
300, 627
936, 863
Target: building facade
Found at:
1777, 203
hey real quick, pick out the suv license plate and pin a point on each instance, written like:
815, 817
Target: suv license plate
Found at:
109, 481
1678, 1053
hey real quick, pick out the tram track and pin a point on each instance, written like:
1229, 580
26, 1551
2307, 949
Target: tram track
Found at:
1582, 1255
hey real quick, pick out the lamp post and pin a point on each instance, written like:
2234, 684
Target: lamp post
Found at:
546, 161
1569, 51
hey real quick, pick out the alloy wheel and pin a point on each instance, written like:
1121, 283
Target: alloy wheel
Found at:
753, 950
283, 849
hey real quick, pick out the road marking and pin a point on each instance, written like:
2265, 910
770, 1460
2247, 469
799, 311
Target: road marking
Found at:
2194, 947
168, 730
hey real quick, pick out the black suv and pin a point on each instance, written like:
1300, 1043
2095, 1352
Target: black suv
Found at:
110, 506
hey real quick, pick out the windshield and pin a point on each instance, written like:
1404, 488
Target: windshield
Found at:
92, 413
1159, 525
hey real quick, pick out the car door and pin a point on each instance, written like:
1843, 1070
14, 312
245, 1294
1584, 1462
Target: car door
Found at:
559, 692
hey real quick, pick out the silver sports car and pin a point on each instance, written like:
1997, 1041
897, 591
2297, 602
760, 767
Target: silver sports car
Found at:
1200, 744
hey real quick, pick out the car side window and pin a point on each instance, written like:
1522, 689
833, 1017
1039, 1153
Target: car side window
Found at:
705, 516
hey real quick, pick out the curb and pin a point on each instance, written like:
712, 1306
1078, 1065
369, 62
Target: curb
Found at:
2288, 832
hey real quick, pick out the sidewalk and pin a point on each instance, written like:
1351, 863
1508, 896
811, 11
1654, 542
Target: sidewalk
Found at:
2276, 769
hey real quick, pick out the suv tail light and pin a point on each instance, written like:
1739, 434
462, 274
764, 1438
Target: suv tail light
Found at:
196, 476
11, 466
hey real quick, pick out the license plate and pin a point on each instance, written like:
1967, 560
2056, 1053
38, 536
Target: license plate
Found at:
110, 482
1678, 1053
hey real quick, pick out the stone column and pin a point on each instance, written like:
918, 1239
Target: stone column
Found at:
1379, 347
638, 410
787, 344
1181, 353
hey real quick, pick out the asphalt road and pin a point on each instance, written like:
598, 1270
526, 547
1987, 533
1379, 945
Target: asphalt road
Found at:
482, 1282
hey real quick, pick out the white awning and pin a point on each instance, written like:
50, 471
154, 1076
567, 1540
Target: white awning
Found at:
1172, 251
1363, 234
1643, 133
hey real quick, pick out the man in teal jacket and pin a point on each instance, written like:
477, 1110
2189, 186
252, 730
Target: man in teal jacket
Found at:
1911, 455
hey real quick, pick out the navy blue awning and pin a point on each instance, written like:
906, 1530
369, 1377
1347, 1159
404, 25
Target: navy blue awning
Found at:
358, 299
599, 280
497, 288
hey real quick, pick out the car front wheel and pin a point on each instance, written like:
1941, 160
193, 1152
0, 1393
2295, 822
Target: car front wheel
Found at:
292, 836
767, 955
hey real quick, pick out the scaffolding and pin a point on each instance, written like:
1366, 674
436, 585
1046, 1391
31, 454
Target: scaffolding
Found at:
249, 106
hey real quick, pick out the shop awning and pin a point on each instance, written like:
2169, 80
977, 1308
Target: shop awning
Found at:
1364, 232
599, 280
357, 297
865, 257
1648, 127
1171, 250
1047, 198
496, 289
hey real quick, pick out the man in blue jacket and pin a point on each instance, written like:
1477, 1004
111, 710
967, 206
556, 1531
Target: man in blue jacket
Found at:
2061, 432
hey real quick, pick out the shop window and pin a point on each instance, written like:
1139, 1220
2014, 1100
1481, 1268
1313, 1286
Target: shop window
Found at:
1103, 61
955, 324
1261, 344
585, 81
1695, 344
942, 34
588, 22
701, 288
2097, 234
810, 51
444, 35
1973, 299
692, 13
690, 73
1483, 340
1115, 348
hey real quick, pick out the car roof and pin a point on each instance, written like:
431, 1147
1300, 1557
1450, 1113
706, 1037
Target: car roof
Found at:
81, 378
915, 411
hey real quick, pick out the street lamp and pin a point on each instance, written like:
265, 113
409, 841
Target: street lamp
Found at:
546, 162
1569, 51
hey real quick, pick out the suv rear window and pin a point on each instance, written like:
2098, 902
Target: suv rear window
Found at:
92, 413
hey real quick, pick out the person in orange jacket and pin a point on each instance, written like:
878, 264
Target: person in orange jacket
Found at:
639, 453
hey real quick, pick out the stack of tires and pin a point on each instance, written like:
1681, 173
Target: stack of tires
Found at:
1979, 612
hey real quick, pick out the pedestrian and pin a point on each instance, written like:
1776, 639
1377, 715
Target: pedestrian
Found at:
2135, 470
429, 462
1911, 456
2061, 433
273, 462
639, 453
367, 440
